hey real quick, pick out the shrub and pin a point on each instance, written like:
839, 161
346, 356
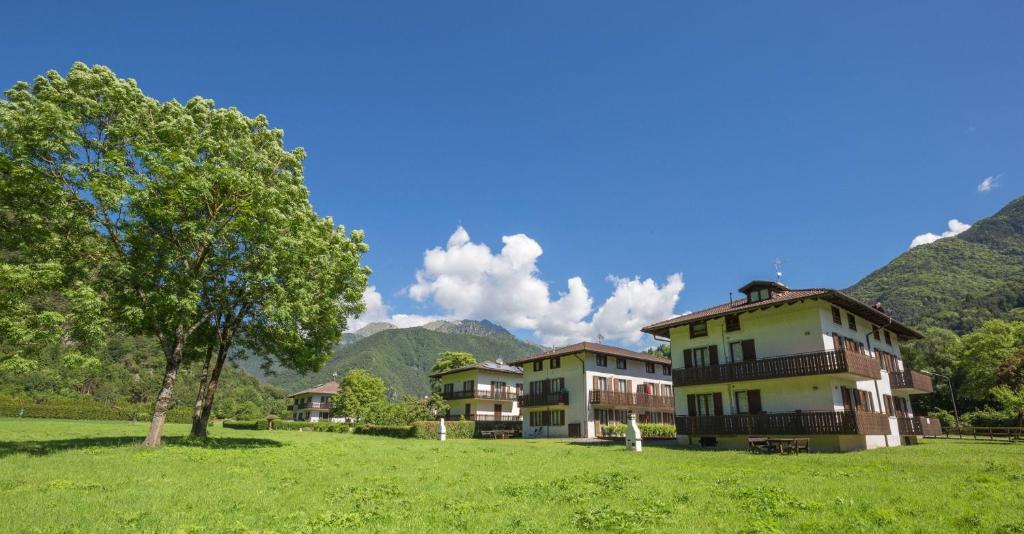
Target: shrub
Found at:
989, 417
454, 429
86, 409
263, 424
657, 430
613, 429
945, 418
389, 431
242, 425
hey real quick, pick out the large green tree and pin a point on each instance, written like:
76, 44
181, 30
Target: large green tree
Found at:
159, 191
359, 394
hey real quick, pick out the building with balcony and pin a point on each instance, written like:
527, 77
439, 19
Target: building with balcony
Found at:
786, 362
313, 404
484, 391
573, 390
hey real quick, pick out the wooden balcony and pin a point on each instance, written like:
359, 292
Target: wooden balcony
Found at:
621, 398
827, 362
485, 394
791, 424
911, 381
312, 406
544, 399
484, 417
909, 426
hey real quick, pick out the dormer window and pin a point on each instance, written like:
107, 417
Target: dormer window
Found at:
757, 295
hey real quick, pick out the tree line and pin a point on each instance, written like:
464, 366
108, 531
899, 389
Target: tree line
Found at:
182, 222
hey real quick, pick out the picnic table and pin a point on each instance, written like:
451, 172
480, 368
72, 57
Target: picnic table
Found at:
497, 434
779, 445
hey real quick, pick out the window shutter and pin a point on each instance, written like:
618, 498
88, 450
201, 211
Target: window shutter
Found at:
754, 400
718, 404
629, 386
837, 342
691, 405
713, 354
687, 358
748, 350
847, 401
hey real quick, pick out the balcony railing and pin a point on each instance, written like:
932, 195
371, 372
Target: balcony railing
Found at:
312, 406
909, 426
487, 394
795, 423
544, 399
621, 398
805, 364
483, 417
911, 380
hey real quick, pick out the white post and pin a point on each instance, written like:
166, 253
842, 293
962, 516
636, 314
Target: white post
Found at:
634, 441
442, 432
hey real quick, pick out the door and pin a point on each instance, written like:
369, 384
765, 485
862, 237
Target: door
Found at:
497, 412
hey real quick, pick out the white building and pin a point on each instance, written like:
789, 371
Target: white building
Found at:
313, 404
793, 363
485, 391
573, 390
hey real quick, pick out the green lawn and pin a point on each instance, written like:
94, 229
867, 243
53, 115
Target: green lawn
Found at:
61, 476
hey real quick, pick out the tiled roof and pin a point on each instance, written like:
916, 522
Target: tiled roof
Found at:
838, 298
329, 388
596, 348
483, 366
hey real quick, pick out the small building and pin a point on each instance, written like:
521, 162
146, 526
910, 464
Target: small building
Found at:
780, 362
484, 391
313, 404
574, 390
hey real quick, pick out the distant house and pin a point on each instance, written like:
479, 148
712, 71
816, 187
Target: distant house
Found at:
574, 390
484, 391
803, 363
313, 404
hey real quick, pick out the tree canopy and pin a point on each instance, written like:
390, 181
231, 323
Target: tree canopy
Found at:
359, 394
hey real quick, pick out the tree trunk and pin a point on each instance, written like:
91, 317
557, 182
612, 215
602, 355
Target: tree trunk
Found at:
156, 427
198, 429
211, 386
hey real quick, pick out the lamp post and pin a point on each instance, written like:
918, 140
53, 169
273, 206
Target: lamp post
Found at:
952, 397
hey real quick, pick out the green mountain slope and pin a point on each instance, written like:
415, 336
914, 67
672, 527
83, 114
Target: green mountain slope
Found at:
956, 282
402, 356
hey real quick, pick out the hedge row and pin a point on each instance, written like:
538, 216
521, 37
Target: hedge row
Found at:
86, 409
454, 429
647, 430
279, 424
389, 431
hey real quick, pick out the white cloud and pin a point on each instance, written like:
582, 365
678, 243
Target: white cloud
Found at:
467, 280
989, 183
377, 311
955, 228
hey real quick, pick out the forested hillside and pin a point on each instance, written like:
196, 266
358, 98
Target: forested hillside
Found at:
956, 282
403, 356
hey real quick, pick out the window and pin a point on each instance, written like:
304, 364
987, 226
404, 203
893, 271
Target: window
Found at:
467, 385
557, 384
449, 388
621, 386
742, 351
600, 383
602, 360
837, 316
759, 295
649, 367
874, 331
732, 323
557, 418
700, 357
698, 329
852, 320
705, 404
538, 365
555, 362
666, 369
666, 390
748, 402
620, 363
888, 340
553, 418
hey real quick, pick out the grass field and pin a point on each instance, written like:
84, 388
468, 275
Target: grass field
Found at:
67, 476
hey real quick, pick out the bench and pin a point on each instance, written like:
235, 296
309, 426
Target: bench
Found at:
497, 434
757, 444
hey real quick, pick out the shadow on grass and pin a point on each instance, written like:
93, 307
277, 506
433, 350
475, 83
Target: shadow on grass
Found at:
647, 443
45, 447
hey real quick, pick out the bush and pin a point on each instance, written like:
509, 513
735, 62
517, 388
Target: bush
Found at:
657, 430
389, 431
262, 424
945, 418
454, 429
613, 430
989, 417
86, 409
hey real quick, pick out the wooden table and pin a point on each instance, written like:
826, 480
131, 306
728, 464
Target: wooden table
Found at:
780, 445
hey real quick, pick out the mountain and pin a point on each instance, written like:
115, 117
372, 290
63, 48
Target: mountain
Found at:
403, 356
956, 282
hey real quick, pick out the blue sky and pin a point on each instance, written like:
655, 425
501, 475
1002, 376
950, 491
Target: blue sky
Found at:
631, 142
